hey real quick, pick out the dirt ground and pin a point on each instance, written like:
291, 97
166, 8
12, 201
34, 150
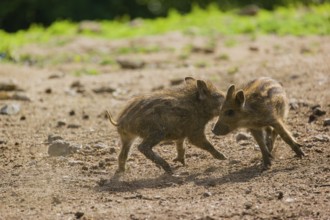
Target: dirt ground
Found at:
70, 85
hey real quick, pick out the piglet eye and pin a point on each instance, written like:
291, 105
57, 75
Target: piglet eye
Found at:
230, 113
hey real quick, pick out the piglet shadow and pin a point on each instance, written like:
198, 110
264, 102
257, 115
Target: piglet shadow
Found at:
241, 175
115, 184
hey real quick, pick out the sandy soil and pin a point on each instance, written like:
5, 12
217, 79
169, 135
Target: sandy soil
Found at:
34, 185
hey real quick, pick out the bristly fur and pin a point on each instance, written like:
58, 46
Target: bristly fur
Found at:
171, 114
261, 106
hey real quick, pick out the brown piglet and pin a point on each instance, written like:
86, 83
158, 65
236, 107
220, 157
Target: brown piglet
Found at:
170, 114
261, 106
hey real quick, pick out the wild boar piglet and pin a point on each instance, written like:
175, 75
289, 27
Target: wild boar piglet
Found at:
170, 114
261, 106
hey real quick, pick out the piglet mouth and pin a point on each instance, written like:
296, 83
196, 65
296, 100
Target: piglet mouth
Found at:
220, 129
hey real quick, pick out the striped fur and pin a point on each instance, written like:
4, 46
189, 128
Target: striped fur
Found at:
261, 106
173, 114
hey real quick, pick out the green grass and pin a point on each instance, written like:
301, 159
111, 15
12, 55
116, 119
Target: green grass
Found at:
301, 21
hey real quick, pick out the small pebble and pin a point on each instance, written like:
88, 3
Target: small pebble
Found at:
289, 200
104, 90
317, 150
48, 91
53, 137
78, 215
100, 145
20, 97
61, 123
76, 84
130, 64
318, 112
207, 194
10, 109
54, 76
112, 150
234, 162
326, 122
101, 164
175, 82
311, 118
280, 195
248, 191
248, 205
73, 126
72, 113
254, 48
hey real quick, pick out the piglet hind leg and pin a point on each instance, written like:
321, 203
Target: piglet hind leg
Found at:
126, 146
146, 148
180, 152
281, 129
260, 137
201, 142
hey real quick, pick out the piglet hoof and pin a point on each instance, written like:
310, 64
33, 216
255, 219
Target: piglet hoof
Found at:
119, 172
169, 172
265, 167
221, 156
167, 169
300, 154
117, 175
181, 160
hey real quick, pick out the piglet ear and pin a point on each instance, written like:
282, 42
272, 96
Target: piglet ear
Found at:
189, 80
230, 92
240, 98
203, 91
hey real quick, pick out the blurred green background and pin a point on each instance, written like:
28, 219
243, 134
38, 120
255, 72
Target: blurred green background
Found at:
21, 14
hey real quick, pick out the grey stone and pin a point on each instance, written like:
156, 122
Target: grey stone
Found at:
322, 138
100, 145
62, 148
242, 136
10, 109
130, 64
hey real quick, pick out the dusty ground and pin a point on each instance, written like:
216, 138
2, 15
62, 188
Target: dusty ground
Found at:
34, 185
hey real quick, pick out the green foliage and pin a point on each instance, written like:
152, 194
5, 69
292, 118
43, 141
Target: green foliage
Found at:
86, 72
312, 20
